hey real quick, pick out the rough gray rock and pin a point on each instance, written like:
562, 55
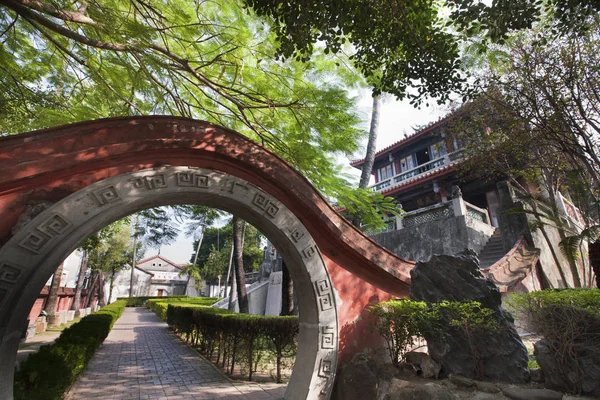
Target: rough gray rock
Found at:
405, 390
459, 380
537, 375
430, 368
415, 357
458, 278
486, 396
517, 393
569, 377
487, 387
357, 379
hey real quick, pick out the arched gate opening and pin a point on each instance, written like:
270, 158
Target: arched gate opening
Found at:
97, 172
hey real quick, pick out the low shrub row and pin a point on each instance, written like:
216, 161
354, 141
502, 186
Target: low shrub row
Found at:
232, 339
159, 305
140, 301
47, 374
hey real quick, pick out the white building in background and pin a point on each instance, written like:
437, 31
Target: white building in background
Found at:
141, 284
166, 280
70, 271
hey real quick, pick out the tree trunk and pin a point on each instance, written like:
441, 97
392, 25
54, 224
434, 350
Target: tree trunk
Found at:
287, 292
92, 289
101, 301
112, 283
187, 283
53, 293
230, 306
238, 250
367, 167
80, 279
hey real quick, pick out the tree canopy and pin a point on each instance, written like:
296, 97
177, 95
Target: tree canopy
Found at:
63, 62
396, 45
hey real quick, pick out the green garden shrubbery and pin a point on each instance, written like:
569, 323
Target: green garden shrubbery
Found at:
48, 374
569, 321
403, 321
140, 301
159, 305
235, 339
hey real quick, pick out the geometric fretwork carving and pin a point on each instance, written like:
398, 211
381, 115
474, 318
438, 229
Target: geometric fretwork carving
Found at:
37, 239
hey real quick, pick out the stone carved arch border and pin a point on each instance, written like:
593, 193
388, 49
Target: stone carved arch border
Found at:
32, 254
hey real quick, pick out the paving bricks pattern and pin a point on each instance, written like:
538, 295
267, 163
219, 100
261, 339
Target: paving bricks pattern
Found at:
142, 359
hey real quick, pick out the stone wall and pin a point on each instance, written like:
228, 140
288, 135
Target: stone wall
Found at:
445, 236
513, 225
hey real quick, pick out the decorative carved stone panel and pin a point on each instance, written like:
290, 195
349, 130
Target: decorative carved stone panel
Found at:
106, 195
324, 294
37, 239
265, 204
327, 337
9, 273
191, 179
150, 182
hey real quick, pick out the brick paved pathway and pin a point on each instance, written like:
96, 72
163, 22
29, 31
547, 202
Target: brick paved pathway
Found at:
142, 359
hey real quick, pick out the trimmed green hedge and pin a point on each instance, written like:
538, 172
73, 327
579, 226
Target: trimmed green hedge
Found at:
48, 374
235, 338
140, 301
159, 304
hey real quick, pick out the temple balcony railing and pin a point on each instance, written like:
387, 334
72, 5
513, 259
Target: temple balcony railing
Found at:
457, 207
418, 170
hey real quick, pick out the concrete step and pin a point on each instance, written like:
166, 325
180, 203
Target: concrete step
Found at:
492, 251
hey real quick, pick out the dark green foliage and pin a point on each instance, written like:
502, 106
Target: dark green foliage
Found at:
495, 20
400, 324
402, 321
47, 374
236, 339
396, 45
565, 316
569, 321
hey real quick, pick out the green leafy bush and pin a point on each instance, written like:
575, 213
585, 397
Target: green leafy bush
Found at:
47, 374
237, 339
469, 320
403, 321
400, 323
569, 321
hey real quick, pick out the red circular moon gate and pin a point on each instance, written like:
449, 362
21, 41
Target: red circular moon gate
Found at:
51, 164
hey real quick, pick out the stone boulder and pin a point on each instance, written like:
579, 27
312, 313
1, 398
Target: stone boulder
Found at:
582, 377
458, 278
431, 369
357, 379
517, 393
406, 390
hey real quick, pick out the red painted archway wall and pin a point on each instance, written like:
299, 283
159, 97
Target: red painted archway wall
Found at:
51, 164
